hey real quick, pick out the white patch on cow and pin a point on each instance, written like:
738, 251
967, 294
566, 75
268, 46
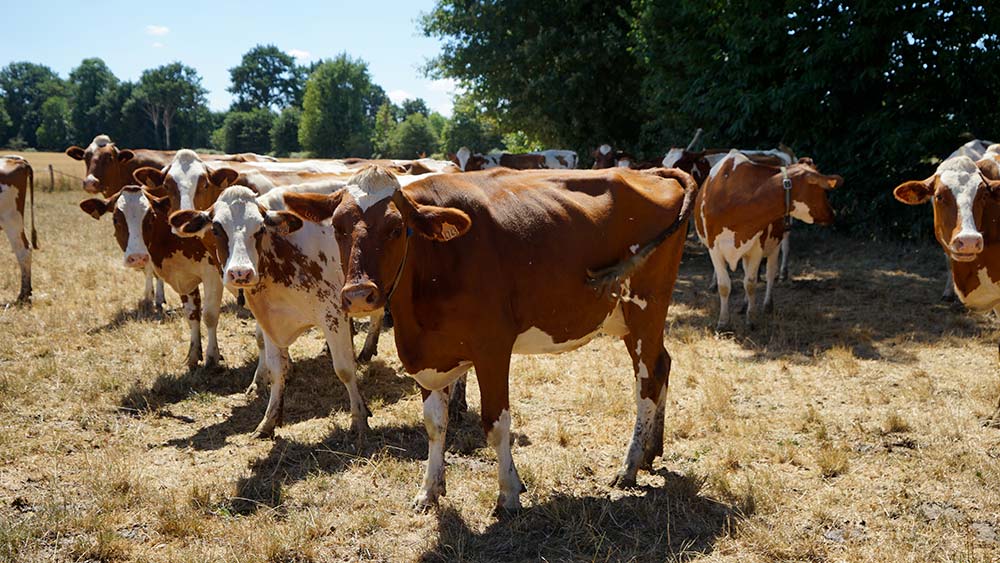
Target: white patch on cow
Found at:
366, 199
801, 212
604, 149
737, 157
984, 297
236, 210
992, 151
962, 177
436, 380
491, 160
332, 166
623, 163
510, 482
552, 158
974, 149
673, 155
536, 341
781, 155
634, 248
615, 325
463, 155
725, 245
98, 142
186, 169
134, 205
628, 297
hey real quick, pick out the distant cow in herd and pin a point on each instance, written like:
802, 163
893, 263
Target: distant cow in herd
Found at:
551, 159
17, 181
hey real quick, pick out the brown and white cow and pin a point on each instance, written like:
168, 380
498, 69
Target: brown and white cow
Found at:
552, 159
145, 237
741, 213
965, 195
291, 275
17, 180
477, 267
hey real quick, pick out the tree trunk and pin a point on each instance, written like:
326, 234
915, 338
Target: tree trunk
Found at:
168, 118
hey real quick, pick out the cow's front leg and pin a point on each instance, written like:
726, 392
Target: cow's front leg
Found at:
261, 374
786, 246
213, 304
12, 225
192, 310
370, 348
338, 338
161, 296
772, 273
277, 366
436, 423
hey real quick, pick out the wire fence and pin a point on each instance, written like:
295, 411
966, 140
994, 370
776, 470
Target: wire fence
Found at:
60, 181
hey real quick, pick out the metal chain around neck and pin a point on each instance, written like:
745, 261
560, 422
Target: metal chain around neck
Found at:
786, 183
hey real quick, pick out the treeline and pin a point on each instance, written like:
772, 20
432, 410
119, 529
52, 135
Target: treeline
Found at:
876, 91
330, 108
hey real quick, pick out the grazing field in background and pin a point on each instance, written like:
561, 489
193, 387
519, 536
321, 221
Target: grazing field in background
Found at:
847, 427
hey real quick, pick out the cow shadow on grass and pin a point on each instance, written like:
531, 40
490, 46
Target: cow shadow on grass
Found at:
843, 293
313, 391
672, 522
127, 316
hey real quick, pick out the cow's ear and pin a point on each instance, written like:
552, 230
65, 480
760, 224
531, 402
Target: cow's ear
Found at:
223, 177
161, 205
313, 207
125, 155
833, 182
283, 222
75, 152
429, 221
95, 206
149, 177
190, 222
914, 192
990, 168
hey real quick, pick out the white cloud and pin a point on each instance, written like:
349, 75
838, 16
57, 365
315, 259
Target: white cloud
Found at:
300, 54
158, 45
397, 96
157, 30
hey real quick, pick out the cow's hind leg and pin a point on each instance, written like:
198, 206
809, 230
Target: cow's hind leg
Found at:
192, 310
725, 288
160, 298
277, 366
751, 264
338, 338
651, 363
12, 225
949, 285
459, 404
494, 392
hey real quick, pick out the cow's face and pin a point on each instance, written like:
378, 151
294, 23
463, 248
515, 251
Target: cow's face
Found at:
960, 190
604, 157
238, 223
810, 203
187, 181
132, 211
372, 221
104, 164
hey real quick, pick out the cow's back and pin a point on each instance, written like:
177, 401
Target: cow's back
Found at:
15, 172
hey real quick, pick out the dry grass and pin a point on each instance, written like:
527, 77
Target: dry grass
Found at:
67, 173
846, 428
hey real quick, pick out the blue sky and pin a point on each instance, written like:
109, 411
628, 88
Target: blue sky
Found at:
211, 36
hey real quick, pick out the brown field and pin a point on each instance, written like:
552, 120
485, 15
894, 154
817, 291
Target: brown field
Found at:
847, 427
67, 173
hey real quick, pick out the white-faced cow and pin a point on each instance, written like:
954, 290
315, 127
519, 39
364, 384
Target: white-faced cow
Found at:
145, 237
966, 198
17, 180
743, 211
292, 278
480, 266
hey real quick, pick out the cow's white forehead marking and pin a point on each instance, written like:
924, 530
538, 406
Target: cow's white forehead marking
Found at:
98, 142
463, 156
134, 205
673, 155
605, 148
371, 186
185, 169
961, 175
366, 199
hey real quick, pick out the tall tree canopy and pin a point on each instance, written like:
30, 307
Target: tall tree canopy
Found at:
89, 81
267, 78
25, 87
165, 91
559, 70
339, 109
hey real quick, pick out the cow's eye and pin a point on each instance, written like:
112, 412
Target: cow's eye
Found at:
396, 232
217, 229
939, 197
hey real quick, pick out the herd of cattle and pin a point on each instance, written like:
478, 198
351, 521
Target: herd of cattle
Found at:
476, 258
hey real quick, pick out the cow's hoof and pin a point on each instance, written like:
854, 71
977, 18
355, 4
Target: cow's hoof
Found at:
724, 330
783, 276
359, 426
507, 505
949, 298
213, 362
623, 481
366, 355
264, 430
424, 501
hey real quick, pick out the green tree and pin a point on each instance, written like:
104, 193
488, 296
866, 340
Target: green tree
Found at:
414, 105
266, 77
24, 87
248, 131
6, 128
385, 124
53, 132
127, 122
339, 108
469, 127
89, 82
412, 138
559, 70
285, 132
164, 91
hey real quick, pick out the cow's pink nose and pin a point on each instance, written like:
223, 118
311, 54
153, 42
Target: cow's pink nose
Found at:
137, 260
91, 186
359, 297
241, 276
967, 244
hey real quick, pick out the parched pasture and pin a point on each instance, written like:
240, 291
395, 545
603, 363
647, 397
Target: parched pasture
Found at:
847, 427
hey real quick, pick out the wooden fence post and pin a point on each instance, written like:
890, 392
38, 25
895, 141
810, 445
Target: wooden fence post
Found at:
52, 179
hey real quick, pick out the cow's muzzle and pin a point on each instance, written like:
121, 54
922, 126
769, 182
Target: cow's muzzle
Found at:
241, 276
965, 247
136, 261
360, 298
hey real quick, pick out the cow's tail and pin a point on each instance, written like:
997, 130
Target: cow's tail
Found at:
31, 191
607, 279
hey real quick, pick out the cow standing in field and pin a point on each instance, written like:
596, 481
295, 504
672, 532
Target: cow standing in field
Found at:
144, 235
552, 159
965, 195
17, 180
743, 211
292, 278
484, 265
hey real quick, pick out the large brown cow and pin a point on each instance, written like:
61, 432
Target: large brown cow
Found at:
743, 211
966, 201
484, 265
17, 180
